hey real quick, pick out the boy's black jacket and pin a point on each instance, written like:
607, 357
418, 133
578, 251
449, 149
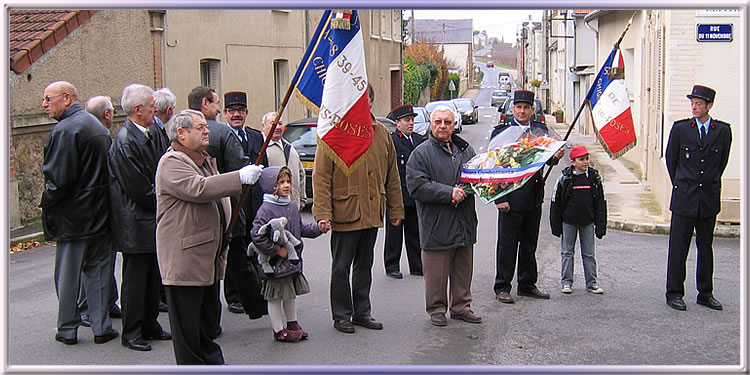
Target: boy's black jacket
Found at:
561, 194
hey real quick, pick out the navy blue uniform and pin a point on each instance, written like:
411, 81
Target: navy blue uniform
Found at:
394, 235
518, 229
695, 167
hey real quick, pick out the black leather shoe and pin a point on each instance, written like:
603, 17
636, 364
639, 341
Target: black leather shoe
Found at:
163, 307
367, 322
395, 274
85, 320
677, 304
65, 341
344, 326
106, 337
710, 302
504, 297
468, 316
164, 335
534, 293
115, 312
236, 307
137, 344
417, 273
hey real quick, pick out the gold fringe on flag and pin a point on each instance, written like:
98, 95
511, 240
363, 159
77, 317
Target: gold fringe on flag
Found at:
341, 23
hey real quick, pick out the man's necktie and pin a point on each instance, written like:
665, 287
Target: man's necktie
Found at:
243, 140
148, 134
703, 132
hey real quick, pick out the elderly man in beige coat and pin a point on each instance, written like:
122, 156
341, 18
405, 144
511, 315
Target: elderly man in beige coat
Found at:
353, 207
192, 213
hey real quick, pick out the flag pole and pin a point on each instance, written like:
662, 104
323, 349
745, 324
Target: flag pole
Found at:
586, 101
246, 188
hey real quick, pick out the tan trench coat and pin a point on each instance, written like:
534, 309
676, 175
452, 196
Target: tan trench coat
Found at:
358, 201
188, 232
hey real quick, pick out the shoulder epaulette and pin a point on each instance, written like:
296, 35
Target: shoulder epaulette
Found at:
685, 119
720, 122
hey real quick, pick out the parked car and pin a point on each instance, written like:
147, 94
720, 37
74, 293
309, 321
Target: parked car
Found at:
498, 98
490, 64
506, 111
458, 127
468, 110
421, 121
389, 124
303, 135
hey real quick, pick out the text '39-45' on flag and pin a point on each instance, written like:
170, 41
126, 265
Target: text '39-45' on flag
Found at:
332, 80
610, 107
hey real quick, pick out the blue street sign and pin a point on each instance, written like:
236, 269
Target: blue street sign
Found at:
713, 33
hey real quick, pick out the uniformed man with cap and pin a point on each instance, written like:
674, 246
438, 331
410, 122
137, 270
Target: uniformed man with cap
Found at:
405, 140
520, 214
242, 286
697, 154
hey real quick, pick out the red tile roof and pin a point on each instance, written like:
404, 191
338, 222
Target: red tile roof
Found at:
34, 32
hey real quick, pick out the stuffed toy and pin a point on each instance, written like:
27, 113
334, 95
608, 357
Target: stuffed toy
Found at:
276, 230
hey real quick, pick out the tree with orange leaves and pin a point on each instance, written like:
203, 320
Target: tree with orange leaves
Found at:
432, 58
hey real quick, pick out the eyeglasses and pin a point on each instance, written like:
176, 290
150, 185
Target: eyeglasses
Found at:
235, 110
48, 98
200, 128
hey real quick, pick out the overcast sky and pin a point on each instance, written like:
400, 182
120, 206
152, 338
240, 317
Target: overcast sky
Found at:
497, 23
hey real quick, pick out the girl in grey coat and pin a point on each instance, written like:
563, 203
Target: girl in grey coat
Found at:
281, 288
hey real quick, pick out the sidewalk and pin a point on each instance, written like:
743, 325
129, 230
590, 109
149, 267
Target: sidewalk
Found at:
630, 205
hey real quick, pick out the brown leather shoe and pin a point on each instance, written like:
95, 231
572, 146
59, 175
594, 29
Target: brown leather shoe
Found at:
344, 326
468, 316
438, 319
504, 297
534, 293
367, 322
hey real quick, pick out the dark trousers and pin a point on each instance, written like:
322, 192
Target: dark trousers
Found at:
140, 296
351, 251
518, 233
241, 273
680, 233
194, 314
230, 292
394, 237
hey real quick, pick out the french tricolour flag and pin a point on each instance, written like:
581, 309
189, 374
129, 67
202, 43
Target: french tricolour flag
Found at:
610, 107
332, 80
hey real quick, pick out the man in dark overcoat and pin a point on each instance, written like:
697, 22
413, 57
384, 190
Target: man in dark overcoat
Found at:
520, 214
133, 159
405, 140
75, 212
697, 154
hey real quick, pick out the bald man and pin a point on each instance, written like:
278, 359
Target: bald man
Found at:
75, 212
101, 107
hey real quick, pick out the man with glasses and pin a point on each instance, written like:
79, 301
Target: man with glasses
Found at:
242, 285
75, 212
192, 258
282, 153
133, 158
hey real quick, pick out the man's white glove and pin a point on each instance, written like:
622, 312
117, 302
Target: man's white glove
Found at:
249, 174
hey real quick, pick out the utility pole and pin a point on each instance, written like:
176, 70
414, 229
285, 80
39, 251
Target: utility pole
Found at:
413, 37
443, 46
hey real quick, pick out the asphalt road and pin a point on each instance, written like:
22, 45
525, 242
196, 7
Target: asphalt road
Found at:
628, 325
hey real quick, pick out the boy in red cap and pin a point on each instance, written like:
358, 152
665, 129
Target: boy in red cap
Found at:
578, 208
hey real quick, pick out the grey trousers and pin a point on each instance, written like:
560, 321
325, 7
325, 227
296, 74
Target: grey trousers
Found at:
88, 260
442, 266
568, 246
